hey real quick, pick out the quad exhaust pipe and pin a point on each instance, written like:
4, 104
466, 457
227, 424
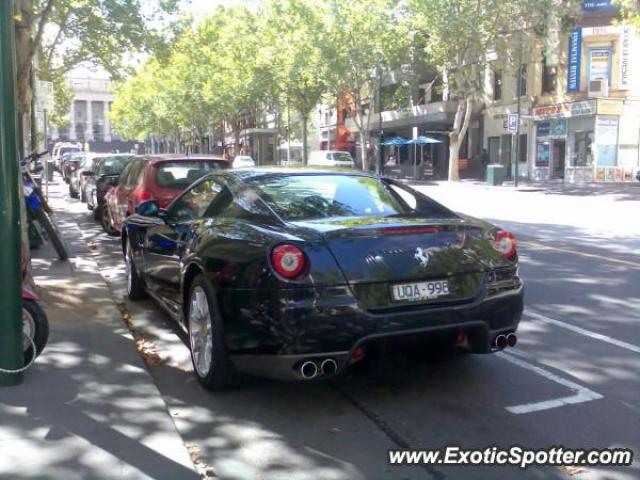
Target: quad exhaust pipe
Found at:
329, 367
310, 369
503, 341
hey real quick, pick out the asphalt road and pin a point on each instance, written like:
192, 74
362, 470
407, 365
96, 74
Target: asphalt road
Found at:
571, 381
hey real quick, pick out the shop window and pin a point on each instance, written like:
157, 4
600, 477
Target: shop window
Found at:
582, 155
522, 80
497, 85
549, 77
522, 155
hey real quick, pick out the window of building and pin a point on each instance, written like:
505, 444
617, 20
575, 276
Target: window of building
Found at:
497, 85
549, 77
522, 80
422, 93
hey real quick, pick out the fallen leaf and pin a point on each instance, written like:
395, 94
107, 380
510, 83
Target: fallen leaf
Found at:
149, 352
571, 470
334, 430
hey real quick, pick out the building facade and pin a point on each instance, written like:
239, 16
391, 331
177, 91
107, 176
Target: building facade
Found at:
89, 117
580, 104
579, 95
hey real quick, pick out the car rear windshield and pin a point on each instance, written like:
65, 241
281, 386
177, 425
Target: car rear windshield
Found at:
180, 175
307, 197
342, 157
114, 165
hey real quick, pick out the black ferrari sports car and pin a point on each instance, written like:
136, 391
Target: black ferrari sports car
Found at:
291, 274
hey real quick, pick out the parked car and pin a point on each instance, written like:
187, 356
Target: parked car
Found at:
107, 173
296, 274
60, 148
243, 161
78, 176
330, 158
159, 178
70, 162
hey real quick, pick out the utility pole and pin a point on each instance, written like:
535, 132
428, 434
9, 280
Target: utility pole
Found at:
516, 156
11, 355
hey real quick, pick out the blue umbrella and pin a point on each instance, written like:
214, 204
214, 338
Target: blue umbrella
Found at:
396, 141
422, 140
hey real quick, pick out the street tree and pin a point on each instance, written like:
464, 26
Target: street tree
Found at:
66, 33
367, 38
465, 37
294, 48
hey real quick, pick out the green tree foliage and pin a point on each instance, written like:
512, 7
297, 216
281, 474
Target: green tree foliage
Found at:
99, 32
368, 38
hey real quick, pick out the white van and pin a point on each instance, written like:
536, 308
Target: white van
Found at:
331, 158
61, 148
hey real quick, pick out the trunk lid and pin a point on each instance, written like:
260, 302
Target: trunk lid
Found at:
376, 253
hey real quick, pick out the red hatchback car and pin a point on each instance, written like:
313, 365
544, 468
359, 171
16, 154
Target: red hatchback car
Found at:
159, 178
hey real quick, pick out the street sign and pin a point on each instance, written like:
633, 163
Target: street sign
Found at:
512, 122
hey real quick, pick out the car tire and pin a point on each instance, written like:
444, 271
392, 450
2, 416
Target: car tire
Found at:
209, 356
105, 221
97, 212
135, 284
72, 192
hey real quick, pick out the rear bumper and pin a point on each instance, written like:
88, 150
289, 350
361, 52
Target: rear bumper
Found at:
274, 342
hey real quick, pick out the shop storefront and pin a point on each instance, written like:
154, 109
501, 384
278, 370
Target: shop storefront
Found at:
578, 141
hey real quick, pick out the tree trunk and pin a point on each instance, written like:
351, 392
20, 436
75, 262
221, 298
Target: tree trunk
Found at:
363, 150
457, 136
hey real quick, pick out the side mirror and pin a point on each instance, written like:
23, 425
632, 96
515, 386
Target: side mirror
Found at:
148, 208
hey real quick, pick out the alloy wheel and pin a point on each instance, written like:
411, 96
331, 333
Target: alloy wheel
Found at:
200, 335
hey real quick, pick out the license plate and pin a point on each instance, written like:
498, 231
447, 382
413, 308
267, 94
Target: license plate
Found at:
415, 292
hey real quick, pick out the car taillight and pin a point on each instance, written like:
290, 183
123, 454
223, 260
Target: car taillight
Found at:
505, 243
143, 196
288, 261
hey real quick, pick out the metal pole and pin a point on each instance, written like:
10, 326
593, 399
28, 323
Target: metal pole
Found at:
519, 94
11, 356
46, 163
380, 168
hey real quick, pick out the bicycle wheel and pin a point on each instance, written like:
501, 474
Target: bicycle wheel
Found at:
52, 232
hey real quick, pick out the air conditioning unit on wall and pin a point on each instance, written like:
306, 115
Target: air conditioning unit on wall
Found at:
599, 88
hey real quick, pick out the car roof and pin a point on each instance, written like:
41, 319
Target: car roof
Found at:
252, 173
183, 158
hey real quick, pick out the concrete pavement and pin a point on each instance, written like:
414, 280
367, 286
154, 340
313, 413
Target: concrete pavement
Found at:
88, 409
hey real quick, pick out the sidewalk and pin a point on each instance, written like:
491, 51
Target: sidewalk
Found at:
88, 409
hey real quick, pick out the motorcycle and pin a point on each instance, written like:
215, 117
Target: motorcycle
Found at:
35, 325
37, 208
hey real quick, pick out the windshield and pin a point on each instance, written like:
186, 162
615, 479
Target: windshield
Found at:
179, 175
68, 150
307, 197
114, 165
